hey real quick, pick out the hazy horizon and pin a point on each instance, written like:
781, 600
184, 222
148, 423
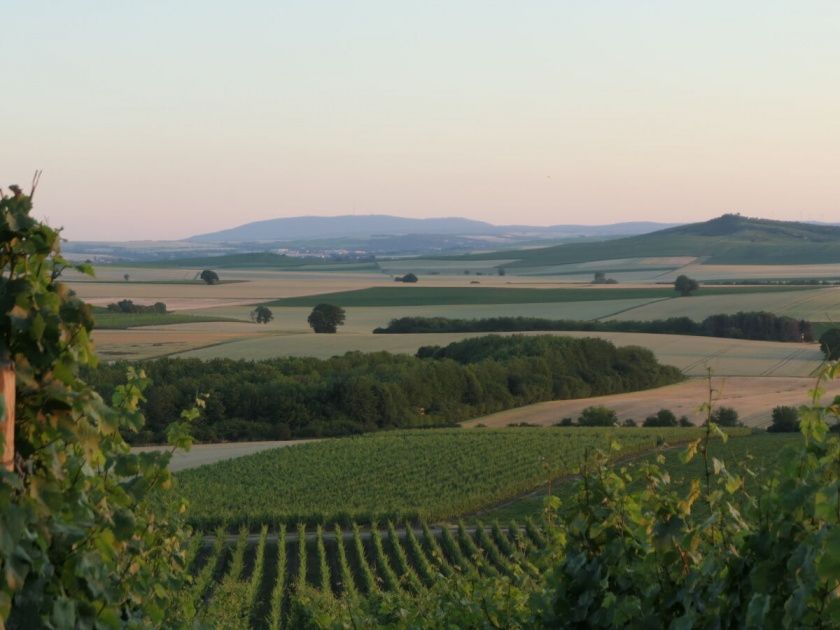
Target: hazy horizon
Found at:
165, 120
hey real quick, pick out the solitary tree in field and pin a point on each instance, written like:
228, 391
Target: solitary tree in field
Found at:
326, 318
209, 276
685, 285
262, 315
126, 277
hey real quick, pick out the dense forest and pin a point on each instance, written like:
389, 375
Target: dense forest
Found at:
304, 397
752, 325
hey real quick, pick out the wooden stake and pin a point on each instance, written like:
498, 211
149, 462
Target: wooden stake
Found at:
7, 424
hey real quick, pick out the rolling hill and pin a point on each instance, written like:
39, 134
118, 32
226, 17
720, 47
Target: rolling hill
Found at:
377, 225
728, 239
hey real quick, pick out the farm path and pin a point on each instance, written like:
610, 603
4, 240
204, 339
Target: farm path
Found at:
202, 454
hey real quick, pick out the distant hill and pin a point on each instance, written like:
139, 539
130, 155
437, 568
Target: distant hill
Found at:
728, 239
375, 225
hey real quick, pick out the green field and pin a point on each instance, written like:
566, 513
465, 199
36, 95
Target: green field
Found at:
399, 475
421, 296
106, 320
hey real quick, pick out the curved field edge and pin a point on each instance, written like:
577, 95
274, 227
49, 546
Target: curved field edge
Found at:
399, 475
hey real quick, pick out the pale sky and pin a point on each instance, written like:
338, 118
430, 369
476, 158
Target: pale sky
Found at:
161, 120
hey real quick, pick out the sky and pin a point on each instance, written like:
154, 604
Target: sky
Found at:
161, 119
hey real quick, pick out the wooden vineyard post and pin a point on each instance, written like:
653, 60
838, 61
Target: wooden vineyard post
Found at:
7, 391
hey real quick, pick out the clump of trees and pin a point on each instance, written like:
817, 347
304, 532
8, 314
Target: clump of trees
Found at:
685, 286
750, 325
209, 276
262, 315
306, 397
128, 306
409, 277
830, 344
326, 318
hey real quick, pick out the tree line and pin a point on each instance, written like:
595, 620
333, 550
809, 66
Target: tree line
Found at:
305, 397
743, 325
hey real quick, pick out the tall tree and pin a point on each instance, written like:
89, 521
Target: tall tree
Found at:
326, 318
685, 285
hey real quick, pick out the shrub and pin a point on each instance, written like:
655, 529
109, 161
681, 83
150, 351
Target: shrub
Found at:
726, 417
663, 418
685, 422
598, 416
784, 420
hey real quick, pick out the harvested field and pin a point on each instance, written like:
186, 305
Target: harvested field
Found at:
726, 357
753, 398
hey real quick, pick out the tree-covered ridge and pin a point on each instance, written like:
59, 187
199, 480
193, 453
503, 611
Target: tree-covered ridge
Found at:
743, 325
353, 393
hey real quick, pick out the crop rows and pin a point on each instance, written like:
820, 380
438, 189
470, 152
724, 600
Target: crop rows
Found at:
397, 475
254, 580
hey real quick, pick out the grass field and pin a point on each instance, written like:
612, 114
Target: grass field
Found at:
398, 475
421, 296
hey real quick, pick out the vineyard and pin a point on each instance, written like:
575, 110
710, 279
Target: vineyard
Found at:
249, 581
397, 475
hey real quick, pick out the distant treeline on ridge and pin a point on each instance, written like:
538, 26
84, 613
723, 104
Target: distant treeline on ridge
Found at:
305, 397
753, 325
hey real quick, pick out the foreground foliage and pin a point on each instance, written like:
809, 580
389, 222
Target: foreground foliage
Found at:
85, 538
632, 549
